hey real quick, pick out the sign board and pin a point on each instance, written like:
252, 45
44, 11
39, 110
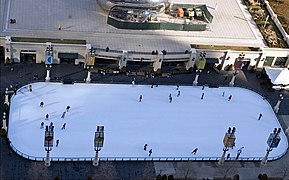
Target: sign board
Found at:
273, 140
48, 139
98, 139
201, 64
49, 60
229, 140
90, 61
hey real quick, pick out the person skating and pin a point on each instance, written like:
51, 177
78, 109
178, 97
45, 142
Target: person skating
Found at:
260, 116
202, 97
30, 87
41, 104
140, 98
145, 147
42, 125
179, 93
150, 152
47, 117
67, 108
194, 151
57, 142
171, 99
230, 97
63, 126
63, 115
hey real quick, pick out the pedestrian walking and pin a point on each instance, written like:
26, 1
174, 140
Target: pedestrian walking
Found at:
63, 115
223, 94
63, 126
260, 116
228, 155
140, 98
41, 104
42, 125
171, 99
67, 108
57, 142
194, 151
202, 95
30, 87
230, 97
179, 93
145, 147
47, 117
150, 152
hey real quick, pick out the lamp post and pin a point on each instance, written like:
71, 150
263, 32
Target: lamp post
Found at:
6, 97
276, 107
88, 78
48, 60
229, 142
48, 143
273, 141
200, 66
98, 143
4, 126
232, 82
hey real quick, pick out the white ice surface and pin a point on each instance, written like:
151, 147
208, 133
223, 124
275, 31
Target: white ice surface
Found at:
170, 129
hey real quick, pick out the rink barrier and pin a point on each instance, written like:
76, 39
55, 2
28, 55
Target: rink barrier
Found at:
125, 159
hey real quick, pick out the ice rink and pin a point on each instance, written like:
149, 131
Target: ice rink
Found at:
170, 129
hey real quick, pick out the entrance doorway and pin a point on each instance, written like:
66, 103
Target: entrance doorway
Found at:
2, 54
27, 56
67, 58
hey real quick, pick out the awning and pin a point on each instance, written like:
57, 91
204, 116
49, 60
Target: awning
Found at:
68, 55
212, 60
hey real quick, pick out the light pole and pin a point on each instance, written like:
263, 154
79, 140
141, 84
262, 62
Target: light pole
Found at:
273, 141
48, 143
276, 107
4, 122
6, 97
229, 142
88, 78
48, 60
98, 143
200, 66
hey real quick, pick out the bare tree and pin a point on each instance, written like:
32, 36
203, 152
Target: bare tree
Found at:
186, 170
228, 169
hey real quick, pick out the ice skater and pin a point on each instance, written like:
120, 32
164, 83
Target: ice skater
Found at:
63, 115
145, 147
47, 117
67, 108
178, 87
171, 99
202, 95
50, 126
230, 97
57, 142
223, 94
41, 104
42, 125
203, 87
150, 152
239, 152
179, 93
194, 151
228, 155
140, 98
63, 126
260, 116
170, 95
30, 87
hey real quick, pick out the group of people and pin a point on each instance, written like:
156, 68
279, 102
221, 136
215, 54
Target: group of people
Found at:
51, 123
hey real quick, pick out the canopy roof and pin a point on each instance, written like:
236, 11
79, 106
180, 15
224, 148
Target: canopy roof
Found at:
278, 75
